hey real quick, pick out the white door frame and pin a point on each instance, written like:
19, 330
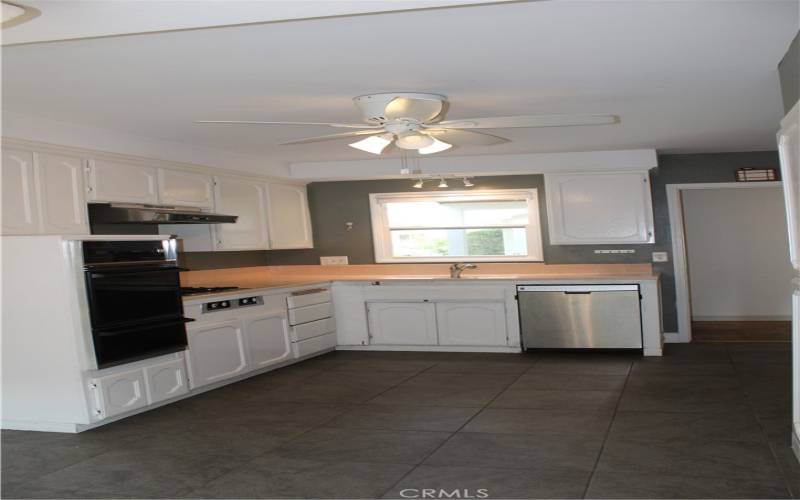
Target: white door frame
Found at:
678, 232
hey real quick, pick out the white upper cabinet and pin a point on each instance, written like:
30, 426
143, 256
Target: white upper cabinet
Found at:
289, 219
122, 182
62, 191
267, 339
20, 207
472, 323
402, 323
185, 189
599, 208
247, 200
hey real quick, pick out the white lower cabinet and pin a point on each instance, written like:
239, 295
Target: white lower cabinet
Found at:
216, 352
472, 323
401, 323
165, 380
268, 340
119, 393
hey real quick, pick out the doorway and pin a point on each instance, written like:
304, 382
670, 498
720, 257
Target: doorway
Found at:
731, 258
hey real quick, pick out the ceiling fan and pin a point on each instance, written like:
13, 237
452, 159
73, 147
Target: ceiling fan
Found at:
415, 121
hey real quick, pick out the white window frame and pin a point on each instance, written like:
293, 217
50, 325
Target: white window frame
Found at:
381, 235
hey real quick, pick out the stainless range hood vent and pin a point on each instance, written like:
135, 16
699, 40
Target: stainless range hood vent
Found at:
118, 213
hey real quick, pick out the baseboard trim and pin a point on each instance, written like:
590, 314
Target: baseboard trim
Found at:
436, 348
25, 425
796, 440
673, 338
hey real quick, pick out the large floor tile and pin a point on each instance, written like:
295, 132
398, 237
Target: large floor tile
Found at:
519, 451
690, 458
669, 367
592, 401
683, 394
272, 476
141, 473
523, 421
351, 445
585, 365
625, 484
570, 381
384, 365
399, 417
696, 353
455, 366
492, 483
460, 396
476, 379
694, 427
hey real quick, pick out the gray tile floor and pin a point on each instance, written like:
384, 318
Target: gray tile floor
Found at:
704, 421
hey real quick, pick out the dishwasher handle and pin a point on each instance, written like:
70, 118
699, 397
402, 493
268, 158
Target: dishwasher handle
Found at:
586, 288
577, 293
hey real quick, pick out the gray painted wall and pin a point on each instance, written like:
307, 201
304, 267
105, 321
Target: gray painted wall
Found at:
789, 72
333, 204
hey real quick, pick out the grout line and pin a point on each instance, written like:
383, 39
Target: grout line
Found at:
608, 431
786, 483
470, 419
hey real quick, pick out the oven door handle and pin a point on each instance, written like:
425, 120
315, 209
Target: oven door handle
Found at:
104, 332
99, 271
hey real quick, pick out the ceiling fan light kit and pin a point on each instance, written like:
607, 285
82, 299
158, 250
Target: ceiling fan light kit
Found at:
415, 121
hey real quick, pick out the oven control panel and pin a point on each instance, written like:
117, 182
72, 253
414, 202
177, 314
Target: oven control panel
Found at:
222, 305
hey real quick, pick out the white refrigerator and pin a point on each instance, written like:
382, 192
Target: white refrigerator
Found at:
789, 150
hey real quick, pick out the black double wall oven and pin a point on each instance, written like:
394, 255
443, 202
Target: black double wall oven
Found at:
133, 290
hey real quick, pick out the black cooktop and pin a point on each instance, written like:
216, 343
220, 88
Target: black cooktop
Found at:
196, 290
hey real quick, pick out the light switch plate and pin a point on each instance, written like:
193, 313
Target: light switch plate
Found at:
334, 260
660, 257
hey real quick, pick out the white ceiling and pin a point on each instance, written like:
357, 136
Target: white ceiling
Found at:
72, 19
685, 76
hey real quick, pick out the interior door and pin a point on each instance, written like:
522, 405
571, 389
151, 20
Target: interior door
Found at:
402, 323
216, 352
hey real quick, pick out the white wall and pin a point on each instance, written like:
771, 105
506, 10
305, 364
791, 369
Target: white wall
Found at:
738, 253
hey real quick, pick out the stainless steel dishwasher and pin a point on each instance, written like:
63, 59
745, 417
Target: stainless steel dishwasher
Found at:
580, 316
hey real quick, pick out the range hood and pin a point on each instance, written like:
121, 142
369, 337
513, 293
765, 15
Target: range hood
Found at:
119, 213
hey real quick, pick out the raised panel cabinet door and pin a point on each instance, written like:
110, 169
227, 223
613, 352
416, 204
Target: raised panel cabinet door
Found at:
268, 340
602, 208
402, 323
122, 182
186, 189
216, 352
472, 323
20, 207
120, 392
165, 380
289, 219
63, 195
247, 200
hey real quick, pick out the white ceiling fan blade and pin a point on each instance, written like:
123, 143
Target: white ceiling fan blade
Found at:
331, 137
423, 110
531, 121
465, 137
336, 125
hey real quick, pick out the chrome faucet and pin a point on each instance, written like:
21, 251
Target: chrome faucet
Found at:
457, 268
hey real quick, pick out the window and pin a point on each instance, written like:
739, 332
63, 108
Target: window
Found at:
454, 226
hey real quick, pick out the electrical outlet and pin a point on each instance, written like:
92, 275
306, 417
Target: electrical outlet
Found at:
660, 257
336, 260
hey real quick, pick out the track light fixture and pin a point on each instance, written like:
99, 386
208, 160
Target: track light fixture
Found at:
442, 183
468, 183
418, 184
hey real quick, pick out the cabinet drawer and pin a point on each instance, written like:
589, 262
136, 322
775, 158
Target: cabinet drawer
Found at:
313, 329
314, 345
308, 298
310, 313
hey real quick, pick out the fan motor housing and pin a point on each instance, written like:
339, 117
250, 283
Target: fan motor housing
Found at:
373, 106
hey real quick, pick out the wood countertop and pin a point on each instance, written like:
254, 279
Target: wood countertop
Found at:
291, 276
